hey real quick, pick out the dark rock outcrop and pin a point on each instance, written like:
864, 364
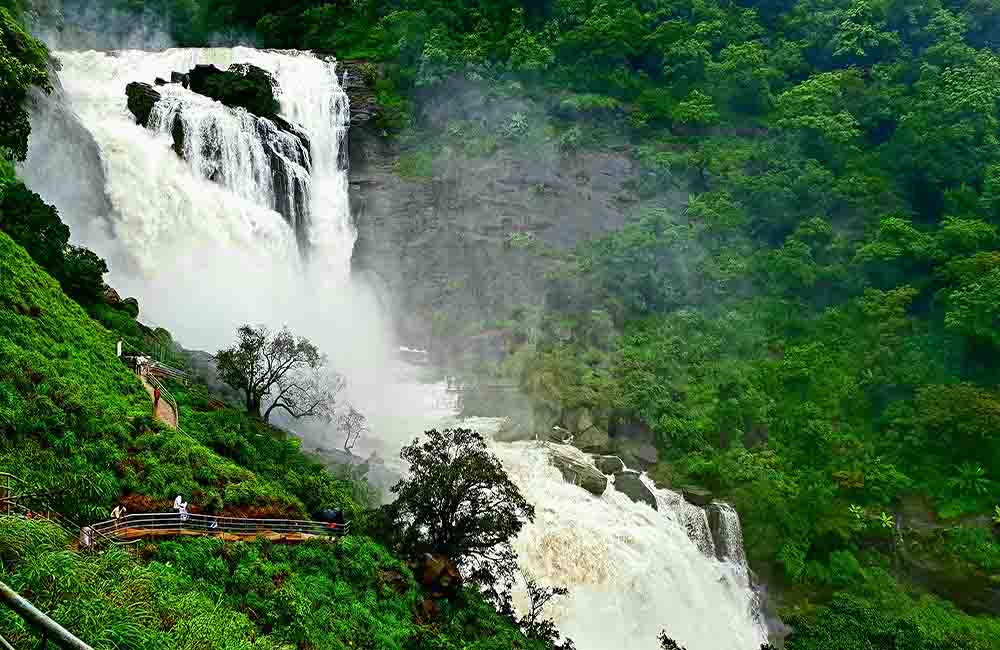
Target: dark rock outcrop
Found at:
241, 85
141, 99
111, 296
609, 465
696, 495
578, 471
131, 305
357, 78
180, 78
629, 483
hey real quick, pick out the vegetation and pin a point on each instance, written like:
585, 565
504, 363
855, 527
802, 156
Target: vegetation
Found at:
74, 428
459, 502
815, 337
276, 370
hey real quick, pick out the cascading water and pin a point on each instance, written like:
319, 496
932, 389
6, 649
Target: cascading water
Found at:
632, 571
204, 256
728, 533
249, 155
693, 518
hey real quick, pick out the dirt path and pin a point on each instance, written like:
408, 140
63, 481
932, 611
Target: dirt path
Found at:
164, 412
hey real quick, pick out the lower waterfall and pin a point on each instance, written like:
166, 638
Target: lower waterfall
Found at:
204, 257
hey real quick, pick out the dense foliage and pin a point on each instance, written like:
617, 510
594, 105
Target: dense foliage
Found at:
36, 225
459, 502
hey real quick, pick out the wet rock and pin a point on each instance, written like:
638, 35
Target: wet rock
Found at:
160, 81
594, 440
358, 78
141, 99
637, 454
696, 495
180, 78
241, 85
727, 534
576, 469
628, 483
609, 465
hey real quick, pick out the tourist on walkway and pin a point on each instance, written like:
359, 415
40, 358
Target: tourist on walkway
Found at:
181, 506
117, 514
156, 400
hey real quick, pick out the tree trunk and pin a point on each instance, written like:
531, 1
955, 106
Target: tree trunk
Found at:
253, 405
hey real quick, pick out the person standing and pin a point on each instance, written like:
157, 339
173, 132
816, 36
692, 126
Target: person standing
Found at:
156, 399
118, 514
180, 506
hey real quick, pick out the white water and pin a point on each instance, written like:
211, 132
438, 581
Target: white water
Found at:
231, 148
204, 257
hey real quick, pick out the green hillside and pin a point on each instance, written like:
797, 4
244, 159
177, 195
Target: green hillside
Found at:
75, 427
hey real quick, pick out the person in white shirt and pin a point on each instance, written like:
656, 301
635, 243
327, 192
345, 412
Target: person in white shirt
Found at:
181, 507
117, 515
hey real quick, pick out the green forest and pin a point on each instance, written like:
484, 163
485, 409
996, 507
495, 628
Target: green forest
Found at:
815, 337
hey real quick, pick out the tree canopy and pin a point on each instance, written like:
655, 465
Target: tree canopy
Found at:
458, 501
279, 371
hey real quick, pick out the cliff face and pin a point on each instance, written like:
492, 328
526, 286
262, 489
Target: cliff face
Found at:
460, 245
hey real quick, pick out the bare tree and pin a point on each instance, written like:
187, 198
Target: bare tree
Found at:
352, 423
280, 370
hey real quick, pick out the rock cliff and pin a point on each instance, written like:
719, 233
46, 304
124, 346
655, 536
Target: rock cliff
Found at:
459, 241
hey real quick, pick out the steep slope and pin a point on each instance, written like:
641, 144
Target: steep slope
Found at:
74, 426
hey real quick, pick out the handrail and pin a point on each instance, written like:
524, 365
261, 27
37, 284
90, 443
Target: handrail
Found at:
174, 522
38, 619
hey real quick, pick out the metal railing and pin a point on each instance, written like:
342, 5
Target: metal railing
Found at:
139, 524
37, 619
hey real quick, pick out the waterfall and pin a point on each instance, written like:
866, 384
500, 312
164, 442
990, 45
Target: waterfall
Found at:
205, 253
631, 570
728, 533
249, 155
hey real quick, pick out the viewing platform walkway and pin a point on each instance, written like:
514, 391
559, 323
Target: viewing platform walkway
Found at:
138, 526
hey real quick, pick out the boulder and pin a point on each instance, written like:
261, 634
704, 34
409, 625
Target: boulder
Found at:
159, 81
242, 84
576, 469
629, 483
609, 465
141, 99
696, 495
636, 453
593, 440
180, 78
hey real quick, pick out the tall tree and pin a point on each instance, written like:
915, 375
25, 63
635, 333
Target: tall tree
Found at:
459, 502
281, 371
